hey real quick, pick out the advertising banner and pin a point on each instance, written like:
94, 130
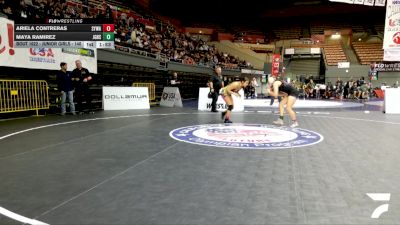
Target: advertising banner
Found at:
124, 98
343, 64
205, 102
171, 97
392, 25
275, 64
380, 2
386, 67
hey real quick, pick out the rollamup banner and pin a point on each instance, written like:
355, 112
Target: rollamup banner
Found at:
124, 98
205, 102
41, 58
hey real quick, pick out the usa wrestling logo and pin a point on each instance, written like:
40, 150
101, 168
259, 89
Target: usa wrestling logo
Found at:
246, 136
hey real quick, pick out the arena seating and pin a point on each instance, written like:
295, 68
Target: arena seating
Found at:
334, 54
288, 32
368, 52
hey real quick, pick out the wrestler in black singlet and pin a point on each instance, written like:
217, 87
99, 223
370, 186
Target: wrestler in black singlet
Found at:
288, 89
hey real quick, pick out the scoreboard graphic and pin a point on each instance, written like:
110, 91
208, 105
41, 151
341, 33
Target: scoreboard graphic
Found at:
64, 33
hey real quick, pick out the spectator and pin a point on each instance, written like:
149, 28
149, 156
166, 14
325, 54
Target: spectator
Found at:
64, 82
2, 5
364, 91
309, 89
339, 88
354, 92
175, 82
254, 84
8, 11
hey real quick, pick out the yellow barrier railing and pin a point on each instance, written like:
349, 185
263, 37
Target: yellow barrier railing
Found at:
23, 95
151, 87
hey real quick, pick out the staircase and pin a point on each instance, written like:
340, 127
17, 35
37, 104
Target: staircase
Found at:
305, 31
256, 60
351, 55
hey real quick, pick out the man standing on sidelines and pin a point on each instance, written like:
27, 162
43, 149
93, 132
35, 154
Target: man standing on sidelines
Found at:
175, 82
215, 84
82, 79
65, 86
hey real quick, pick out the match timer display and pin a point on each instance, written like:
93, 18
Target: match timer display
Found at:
60, 35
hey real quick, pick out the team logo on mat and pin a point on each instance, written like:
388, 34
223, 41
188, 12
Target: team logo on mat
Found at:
246, 136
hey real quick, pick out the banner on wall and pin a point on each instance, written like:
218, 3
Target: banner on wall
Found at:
255, 72
391, 54
391, 40
275, 64
344, 1
386, 67
41, 58
380, 2
392, 25
372, 73
373, 76
361, 2
369, 2
343, 64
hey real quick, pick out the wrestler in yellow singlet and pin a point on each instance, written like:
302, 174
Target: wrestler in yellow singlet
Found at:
227, 92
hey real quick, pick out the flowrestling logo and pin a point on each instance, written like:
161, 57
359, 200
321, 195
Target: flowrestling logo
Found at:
246, 136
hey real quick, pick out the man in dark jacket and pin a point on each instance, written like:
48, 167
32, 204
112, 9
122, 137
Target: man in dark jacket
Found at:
215, 84
174, 81
81, 80
64, 81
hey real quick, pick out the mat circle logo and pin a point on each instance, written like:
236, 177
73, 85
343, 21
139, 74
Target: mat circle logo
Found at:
246, 136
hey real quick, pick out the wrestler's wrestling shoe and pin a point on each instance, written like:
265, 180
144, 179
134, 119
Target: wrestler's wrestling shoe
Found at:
223, 115
278, 122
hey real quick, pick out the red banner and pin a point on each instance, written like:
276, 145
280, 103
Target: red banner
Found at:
275, 64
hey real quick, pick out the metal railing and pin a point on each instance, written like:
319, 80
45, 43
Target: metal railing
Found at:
162, 57
158, 56
151, 88
23, 95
